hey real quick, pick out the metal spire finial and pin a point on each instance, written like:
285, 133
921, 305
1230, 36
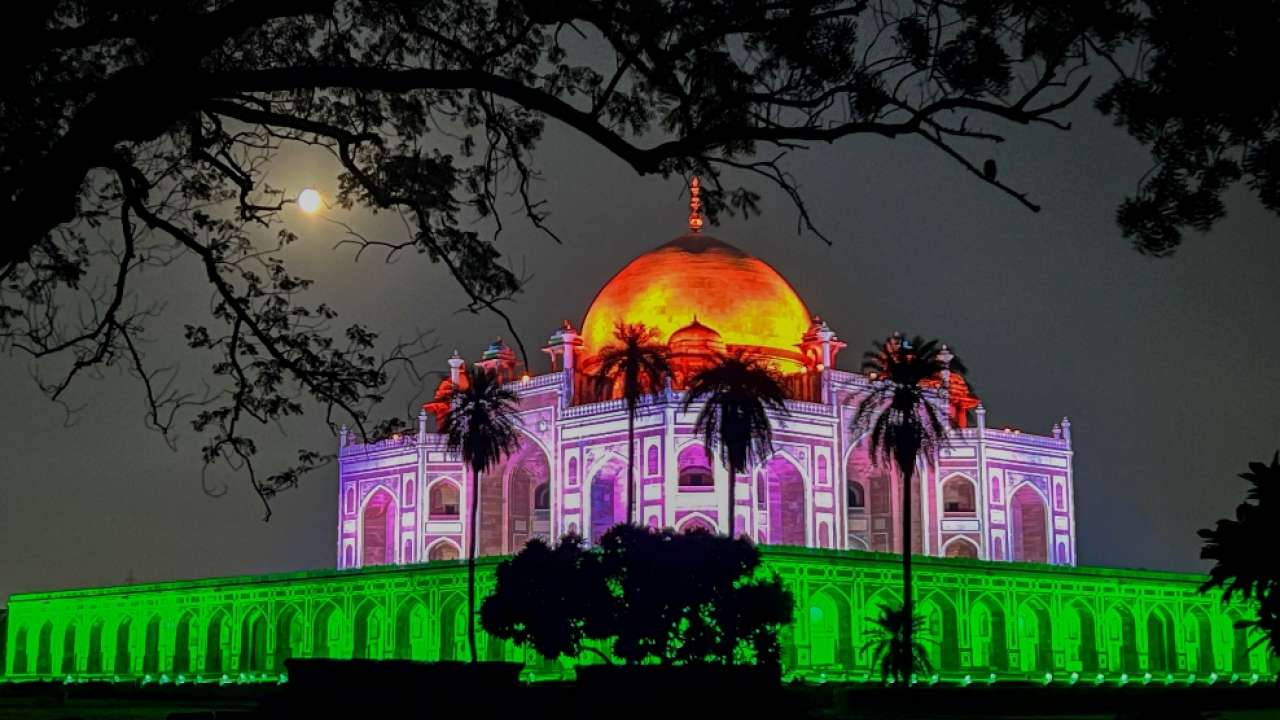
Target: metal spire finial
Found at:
695, 205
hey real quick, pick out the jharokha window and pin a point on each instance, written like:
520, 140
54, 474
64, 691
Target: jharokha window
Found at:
444, 500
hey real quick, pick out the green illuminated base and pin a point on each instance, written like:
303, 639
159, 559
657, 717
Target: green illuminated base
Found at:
986, 621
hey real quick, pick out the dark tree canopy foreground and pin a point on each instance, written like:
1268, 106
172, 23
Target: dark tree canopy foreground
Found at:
139, 135
1243, 551
646, 595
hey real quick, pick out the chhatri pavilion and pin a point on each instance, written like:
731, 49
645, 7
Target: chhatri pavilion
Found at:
992, 511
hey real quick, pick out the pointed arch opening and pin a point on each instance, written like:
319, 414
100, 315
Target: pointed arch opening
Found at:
830, 635
123, 664
329, 636
959, 496
453, 628
443, 500
990, 652
960, 547
184, 647
1030, 520
607, 497
69, 634
44, 649
788, 511
21, 663
94, 660
412, 625
151, 646
1198, 637
253, 642
378, 529
1081, 638
1121, 640
217, 645
1035, 638
370, 624
443, 549
941, 631
1162, 654
290, 636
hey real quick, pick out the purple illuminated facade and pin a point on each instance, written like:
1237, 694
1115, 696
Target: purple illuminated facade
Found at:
993, 493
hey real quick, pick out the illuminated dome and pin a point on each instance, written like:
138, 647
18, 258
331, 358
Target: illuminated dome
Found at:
741, 297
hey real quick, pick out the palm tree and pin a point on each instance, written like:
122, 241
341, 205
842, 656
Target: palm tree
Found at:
904, 422
481, 427
639, 359
739, 392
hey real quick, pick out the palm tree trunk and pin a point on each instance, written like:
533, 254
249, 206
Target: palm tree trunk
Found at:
471, 563
631, 465
731, 637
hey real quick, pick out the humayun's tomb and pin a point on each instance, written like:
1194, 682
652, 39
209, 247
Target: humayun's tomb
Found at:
993, 513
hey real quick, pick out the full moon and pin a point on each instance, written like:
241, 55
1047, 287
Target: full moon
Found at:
309, 200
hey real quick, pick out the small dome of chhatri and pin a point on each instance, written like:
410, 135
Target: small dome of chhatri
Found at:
695, 338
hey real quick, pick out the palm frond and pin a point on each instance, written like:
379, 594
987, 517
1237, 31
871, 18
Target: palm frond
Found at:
482, 424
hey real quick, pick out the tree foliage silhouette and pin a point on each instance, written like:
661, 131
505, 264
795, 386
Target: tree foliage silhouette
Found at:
481, 427
637, 362
902, 423
896, 650
650, 596
140, 138
1243, 552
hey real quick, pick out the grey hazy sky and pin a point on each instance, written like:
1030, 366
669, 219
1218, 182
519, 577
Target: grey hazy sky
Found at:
1166, 367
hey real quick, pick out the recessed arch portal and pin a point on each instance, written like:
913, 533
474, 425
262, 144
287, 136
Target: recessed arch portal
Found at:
1030, 531
378, 529
1162, 654
785, 500
607, 493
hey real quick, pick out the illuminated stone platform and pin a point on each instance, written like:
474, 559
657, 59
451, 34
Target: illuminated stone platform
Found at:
1010, 620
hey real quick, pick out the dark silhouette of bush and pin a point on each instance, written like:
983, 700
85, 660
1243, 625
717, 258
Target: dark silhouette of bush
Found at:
675, 598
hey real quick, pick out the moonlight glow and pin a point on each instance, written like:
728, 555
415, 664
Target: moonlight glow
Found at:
309, 200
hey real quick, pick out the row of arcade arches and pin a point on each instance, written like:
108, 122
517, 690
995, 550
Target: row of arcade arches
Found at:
217, 644
1029, 638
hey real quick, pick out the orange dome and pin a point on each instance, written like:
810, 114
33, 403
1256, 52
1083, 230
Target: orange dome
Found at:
744, 299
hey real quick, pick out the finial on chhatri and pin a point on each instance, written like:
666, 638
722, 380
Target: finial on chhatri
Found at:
695, 205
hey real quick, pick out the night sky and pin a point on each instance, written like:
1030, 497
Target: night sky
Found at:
1166, 367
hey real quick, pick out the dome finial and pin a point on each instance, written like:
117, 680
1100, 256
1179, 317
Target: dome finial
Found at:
695, 205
